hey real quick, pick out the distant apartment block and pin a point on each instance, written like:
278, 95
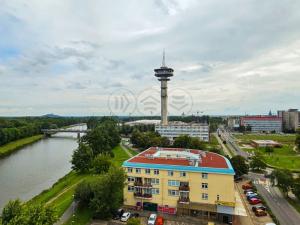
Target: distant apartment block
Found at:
233, 122
175, 129
262, 123
181, 181
290, 119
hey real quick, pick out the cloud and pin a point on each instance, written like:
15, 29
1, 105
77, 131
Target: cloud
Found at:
231, 56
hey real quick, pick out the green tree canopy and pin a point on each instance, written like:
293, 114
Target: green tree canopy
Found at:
16, 213
239, 165
101, 163
257, 164
82, 158
284, 179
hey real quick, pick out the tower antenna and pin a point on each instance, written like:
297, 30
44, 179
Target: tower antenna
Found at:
163, 60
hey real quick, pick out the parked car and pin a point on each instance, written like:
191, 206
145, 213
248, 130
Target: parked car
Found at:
248, 190
159, 220
152, 219
250, 193
247, 186
261, 207
260, 212
254, 201
125, 216
134, 215
118, 214
250, 197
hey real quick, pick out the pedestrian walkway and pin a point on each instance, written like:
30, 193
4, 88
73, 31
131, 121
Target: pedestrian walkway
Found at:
67, 214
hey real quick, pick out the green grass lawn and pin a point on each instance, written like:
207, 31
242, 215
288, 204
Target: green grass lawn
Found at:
82, 216
284, 139
284, 157
15, 145
120, 156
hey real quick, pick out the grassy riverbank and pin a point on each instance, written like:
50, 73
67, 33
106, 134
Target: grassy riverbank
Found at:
60, 195
16, 145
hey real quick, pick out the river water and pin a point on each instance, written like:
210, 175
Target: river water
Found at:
36, 167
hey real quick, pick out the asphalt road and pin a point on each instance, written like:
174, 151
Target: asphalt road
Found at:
280, 207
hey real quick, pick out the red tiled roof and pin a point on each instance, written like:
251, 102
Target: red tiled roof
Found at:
208, 159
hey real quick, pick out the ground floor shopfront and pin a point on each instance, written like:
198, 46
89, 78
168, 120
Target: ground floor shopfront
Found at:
223, 214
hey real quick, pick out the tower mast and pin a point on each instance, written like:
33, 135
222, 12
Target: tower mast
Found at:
164, 73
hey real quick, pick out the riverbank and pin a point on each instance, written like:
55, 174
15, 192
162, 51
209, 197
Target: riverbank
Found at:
11, 147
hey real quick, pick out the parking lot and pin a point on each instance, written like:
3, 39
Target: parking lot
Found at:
255, 220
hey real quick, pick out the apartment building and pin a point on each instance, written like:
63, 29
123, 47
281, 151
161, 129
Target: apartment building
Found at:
181, 181
175, 129
262, 123
290, 119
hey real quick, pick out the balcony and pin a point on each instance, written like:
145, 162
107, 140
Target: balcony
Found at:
142, 196
184, 188
141, 184
184, 200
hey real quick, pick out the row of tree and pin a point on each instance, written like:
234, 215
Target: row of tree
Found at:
95, 148
104, 195
17, 213
147, 139
286, 182
12, 129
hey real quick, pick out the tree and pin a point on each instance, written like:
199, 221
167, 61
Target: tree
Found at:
182, 141
11, 210
284, 179
239, 164
134, 221
101, 163
269, 149
82, 158
84, 193
108, 193
296, 188
16, 213
257, 164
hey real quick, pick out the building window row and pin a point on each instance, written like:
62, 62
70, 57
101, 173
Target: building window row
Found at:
170, 172
204, 196
173, 183
204, 185
173, 192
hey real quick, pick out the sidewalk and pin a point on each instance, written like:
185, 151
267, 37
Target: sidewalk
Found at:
67, 214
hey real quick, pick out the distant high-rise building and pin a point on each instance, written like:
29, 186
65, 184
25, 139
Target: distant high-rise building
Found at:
262, 123
290, 119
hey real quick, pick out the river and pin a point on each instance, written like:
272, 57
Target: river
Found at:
36, 167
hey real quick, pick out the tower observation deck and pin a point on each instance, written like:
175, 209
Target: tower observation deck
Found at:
164, 73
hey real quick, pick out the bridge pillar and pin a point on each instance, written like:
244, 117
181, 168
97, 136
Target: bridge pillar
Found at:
78, 135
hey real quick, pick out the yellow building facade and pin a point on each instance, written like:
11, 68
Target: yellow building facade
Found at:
181, 181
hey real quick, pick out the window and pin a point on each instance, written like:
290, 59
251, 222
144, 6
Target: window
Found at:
204, 175
155, 191
182, 173
129, 170
130, 188
204, 196
156, 172
137, 170
204, 185
173, 193
154, 181
170, 173
130, 179
147, 171
218, 197
173, 183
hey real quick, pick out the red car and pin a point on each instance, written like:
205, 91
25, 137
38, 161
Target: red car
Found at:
247, 186
254, 201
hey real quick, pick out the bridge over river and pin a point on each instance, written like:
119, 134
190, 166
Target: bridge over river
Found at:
49, 132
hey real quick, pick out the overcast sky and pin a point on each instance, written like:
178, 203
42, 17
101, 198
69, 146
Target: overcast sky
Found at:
74, 57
